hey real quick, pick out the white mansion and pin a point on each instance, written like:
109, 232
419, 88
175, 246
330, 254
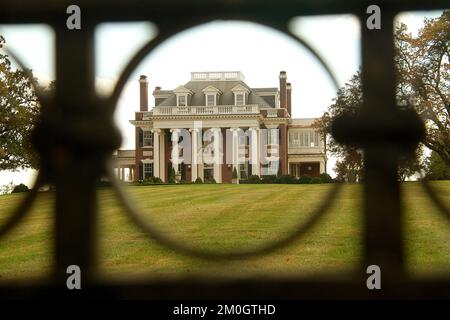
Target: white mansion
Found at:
216, 123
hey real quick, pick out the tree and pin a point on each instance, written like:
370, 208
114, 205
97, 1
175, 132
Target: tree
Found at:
350, 168
422, 65
423, 68
436, 168
19, 110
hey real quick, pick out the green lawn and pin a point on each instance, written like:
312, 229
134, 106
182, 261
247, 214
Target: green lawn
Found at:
228, 217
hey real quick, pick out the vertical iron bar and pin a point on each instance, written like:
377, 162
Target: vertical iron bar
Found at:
382, 208
75, 225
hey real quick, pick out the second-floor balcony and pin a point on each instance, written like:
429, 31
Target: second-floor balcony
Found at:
205, 110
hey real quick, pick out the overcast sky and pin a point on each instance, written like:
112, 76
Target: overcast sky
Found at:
258, 51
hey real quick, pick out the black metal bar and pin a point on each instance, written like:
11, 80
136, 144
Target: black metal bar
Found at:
75, 221
382, 210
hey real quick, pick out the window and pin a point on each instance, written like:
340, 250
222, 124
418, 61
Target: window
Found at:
148, 170
182, 101
304, 139
210, 99
240, 99
147, 138
208, 172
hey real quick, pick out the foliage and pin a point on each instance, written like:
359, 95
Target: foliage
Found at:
20, 188
198, 180
172, 178
269, 179
210, 180
19, 110
304, 179
7, 188
423, 68
410, 164
151, 180
254, 179
350, 168
423, 72
325, 178
234, 175
436, 168
288, 179
316, 180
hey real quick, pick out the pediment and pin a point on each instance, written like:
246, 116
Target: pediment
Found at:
240, 88
182, 90
211, 89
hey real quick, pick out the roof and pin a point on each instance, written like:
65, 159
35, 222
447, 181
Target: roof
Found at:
274, 90
226, 98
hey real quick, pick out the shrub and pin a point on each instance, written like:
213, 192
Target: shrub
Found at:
304, 179
286, 179
172, 176
20, 188
325, 178
198, 180
316, 180
150, 180
210, 180
269, 179
254, 179
234, 175
157, 180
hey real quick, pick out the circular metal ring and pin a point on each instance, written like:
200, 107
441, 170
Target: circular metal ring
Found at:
177, 246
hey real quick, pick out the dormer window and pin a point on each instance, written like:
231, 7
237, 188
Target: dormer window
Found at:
211, 95
239, 99
210, 99
182, 94
182, 101
241, 93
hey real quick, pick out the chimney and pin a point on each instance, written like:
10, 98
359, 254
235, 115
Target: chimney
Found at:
283, 89
288, 98
143, 87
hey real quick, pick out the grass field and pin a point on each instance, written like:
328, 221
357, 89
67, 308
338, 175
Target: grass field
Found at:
227, 217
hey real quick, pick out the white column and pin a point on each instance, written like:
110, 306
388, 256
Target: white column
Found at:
156, 152
255, 151
217, 155
162, 156
175, 150
201, 168
235, 149
322, 167
195, 153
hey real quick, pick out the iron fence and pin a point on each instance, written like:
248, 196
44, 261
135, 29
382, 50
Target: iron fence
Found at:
77, 124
